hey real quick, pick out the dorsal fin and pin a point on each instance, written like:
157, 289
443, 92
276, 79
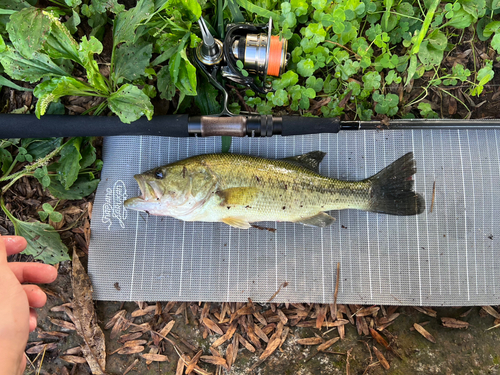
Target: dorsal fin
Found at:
311, 160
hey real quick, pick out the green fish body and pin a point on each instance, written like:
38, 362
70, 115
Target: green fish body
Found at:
242, 189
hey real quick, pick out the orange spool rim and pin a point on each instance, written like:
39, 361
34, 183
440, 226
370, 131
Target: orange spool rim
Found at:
275, 56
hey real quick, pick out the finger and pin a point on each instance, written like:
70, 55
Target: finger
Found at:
33, 272
36, 296
33, 320
14, 244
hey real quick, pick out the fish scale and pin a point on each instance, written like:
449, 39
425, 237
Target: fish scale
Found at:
242, 189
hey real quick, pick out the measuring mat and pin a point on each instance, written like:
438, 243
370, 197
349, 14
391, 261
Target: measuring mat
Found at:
448, 256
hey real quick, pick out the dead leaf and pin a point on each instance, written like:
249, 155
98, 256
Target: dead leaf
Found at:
274, 342
145, 311
490, 310
229, 356
245, 343
381, 358
129, 337
367, 311
310, 341
321, 315
152, 350
61, 308
193, 362
362, 326
180, 367
131, 350
51, 335
42, 347
213, 326
282, 316
94, 347
166, 330
226, 336
129, 368
454, 323
63, 324
261, 334
327, 344
424, 332
73, 359
155, 357
73, 351
218, 361
245, 310
378, 338
426, 310
132, 343
260, 318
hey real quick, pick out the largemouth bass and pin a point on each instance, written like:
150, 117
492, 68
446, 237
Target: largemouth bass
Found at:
242, 189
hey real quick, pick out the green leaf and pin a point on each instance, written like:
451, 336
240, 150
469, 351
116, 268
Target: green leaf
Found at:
86, 50
5, 159
40, 147
491, 28
461, 19
371, 81
82, 187
88, 154
51, 90
305, 67
131, 61
165, 84
438, 40
31, 70
225, 143
186, 81
287, 79
68, 165
299, 7
426, 110
429, 55
28, 30
484, 75
56, 217
5, 82
206, 100
130, 103
315, 83
495, 42
262, 12
44, 243
127, 21
190, 8
47, 208
43, 215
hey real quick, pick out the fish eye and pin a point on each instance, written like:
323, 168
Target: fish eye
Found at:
158, 174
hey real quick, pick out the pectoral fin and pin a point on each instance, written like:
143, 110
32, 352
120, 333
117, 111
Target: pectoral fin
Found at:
320, 220
238, 195
236, 223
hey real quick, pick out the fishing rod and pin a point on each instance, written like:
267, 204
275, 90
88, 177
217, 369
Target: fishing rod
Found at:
248, 54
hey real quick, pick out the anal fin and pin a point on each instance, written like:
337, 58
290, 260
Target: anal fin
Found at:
236, 223
321, 220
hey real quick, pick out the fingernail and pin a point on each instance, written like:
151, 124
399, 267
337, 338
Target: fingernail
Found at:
14, 244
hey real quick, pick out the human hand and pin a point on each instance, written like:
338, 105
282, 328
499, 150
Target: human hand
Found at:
17, 303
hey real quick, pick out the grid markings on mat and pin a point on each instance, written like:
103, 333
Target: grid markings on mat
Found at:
445, 257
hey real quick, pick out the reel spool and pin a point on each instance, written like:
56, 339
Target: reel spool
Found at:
261, 53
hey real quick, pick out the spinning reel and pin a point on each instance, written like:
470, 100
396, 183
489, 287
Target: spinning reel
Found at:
247, 52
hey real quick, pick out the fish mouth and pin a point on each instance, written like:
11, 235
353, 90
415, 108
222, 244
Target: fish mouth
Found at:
150, 191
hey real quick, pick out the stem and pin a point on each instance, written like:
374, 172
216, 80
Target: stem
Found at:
30, 168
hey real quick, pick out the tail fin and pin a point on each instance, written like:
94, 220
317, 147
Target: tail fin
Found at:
392, 189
